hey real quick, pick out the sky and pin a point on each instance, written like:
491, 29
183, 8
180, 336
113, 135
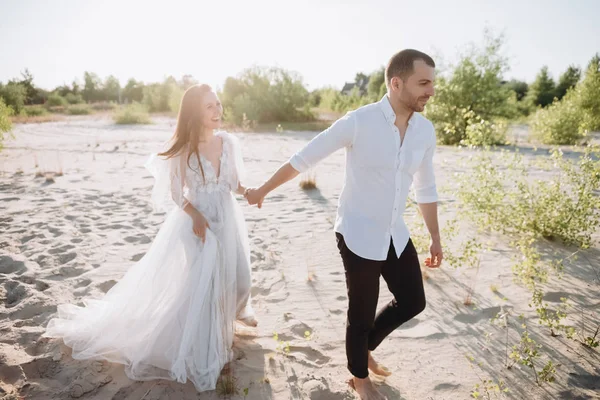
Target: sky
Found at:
325, 41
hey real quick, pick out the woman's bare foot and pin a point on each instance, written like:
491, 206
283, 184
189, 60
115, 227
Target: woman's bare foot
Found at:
377, 368
250, 321
365, 389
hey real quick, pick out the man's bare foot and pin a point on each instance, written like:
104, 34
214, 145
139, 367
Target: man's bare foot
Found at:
250, 321
365, 389
377, 368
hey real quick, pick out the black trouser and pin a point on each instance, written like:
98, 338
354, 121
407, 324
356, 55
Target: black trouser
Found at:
364, 330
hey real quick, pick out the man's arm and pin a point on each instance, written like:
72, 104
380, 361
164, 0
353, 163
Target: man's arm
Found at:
427, 197
340, 134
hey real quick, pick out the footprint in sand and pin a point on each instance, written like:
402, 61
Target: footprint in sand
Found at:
9, 265
137, 257
140, 238
66, 258
106, 286
61, 249
15, 293
308, 355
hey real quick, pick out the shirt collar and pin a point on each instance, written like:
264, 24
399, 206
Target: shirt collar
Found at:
389, 113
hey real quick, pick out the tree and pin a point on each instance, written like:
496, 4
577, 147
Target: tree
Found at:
588, 94
265, 95
376, 80
133, 91
31, 93
91, 87
188, 81
542, 90
519, 87
567, 80
473, 97
14, 95
112, 89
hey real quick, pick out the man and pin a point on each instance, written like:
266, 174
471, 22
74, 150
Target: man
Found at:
388, 145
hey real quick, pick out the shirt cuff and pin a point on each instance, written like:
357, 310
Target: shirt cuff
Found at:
426, 198
298, 163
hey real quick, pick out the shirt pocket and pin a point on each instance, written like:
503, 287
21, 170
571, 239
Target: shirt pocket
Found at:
413, 160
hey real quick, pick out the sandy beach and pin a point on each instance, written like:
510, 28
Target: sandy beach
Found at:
75, 212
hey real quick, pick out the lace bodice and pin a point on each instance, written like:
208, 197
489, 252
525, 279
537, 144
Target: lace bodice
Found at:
177, 182
226, 181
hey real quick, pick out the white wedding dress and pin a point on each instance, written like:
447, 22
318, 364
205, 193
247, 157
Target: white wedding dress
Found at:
172, 314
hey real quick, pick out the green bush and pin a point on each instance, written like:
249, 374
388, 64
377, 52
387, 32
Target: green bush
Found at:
14, 96
500, 195
132, 114
162, 97
560, 123
473, 92
104, 106
543, 90
56, 100
588, 95
480, 132
265, 95
79, 109
34, 111
5, 124
74, 98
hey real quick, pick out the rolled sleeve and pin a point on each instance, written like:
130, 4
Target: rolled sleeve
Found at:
424, 181
340, 134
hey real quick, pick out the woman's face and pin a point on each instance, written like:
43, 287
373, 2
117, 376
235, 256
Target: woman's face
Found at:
212, 111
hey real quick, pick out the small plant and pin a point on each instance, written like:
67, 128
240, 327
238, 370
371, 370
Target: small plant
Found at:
526, 353
552, 318
309, 181
593, 341
227, 385
279, 128
132, 114
486, 388
307, 335
282, 347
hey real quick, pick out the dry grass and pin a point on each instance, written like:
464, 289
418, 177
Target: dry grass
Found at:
37, 119
227, 384
308, 181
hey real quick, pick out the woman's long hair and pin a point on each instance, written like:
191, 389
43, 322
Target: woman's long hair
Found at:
188, 132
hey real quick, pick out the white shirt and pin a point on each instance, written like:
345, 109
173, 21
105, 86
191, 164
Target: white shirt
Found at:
379, 174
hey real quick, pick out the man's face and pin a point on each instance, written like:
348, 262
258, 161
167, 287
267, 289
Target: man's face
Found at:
415, 91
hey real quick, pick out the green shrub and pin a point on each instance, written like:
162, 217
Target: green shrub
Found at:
132, 114
560, 123
56, 100
5, 124
74, 98
103, 106
588, 92
472, 93
34, 111
79, 109
14, 96
163, 97
266, 95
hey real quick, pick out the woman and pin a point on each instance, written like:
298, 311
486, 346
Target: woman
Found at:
172, 314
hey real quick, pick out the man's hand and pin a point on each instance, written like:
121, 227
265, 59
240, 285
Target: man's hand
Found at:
436, 254
254, 196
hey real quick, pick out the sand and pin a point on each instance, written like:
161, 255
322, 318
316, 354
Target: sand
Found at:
75, 211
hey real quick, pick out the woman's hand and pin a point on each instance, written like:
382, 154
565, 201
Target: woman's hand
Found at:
200, 225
